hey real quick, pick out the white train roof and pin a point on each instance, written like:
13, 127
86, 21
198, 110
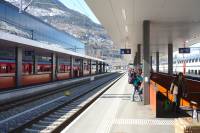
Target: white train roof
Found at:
51, 47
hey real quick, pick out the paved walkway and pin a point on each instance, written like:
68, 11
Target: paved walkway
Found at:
115, 113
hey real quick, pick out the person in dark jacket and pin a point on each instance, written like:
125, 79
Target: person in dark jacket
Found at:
178, 89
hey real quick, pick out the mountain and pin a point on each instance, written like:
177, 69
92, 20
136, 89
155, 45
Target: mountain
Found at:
65, 19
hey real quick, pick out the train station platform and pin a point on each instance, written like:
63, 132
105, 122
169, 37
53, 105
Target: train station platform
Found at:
114, 112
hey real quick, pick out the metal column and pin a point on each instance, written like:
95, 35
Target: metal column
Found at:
53, 66
135, 60
104, 68
35, 64
157, 62
18, 72
146, 51
71, 66
170, 59
151, 62
82, 67
97, 67
90, 66
100, 67
57, 65
138, 54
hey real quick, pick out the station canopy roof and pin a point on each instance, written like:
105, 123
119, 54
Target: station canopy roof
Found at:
172, 21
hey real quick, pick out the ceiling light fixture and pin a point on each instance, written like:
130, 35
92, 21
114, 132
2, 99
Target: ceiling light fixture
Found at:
124, 14
126, 28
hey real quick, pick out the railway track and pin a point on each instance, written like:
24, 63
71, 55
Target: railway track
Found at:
27, 118
12, 104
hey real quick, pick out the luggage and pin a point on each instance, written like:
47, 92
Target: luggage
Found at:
187, 125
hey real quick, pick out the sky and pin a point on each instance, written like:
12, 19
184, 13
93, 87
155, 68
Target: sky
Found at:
82, 7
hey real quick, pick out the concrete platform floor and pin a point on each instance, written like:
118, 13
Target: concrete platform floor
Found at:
113, 112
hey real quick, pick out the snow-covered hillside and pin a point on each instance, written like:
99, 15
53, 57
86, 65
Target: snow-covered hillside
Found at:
72, 22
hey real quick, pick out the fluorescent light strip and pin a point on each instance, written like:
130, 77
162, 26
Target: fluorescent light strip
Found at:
126, 28
124, 14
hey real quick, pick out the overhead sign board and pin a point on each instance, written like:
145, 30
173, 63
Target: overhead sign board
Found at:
125, 51
184, 50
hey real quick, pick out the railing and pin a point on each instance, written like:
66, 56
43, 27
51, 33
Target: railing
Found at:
16, 29
192, 86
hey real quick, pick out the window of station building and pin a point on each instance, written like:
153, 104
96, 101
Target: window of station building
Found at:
198, 72
196, 60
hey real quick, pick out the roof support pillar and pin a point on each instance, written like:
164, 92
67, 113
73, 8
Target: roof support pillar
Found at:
18, 61
101, 67
104, 68
71, 66
146, 51
35, 64
157, 62
82, 67
170, 59
90, 66
151, 62
138, 54
53, 66
57, 65
135, 59
97, 65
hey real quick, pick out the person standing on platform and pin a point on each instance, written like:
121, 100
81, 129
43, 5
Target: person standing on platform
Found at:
178, 89
137, 81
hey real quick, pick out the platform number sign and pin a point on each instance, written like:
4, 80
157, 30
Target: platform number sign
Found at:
184, 50
125, 51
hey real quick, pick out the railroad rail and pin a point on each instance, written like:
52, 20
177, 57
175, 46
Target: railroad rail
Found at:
27, 118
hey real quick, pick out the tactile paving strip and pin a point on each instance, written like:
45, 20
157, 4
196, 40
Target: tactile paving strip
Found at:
143, 122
